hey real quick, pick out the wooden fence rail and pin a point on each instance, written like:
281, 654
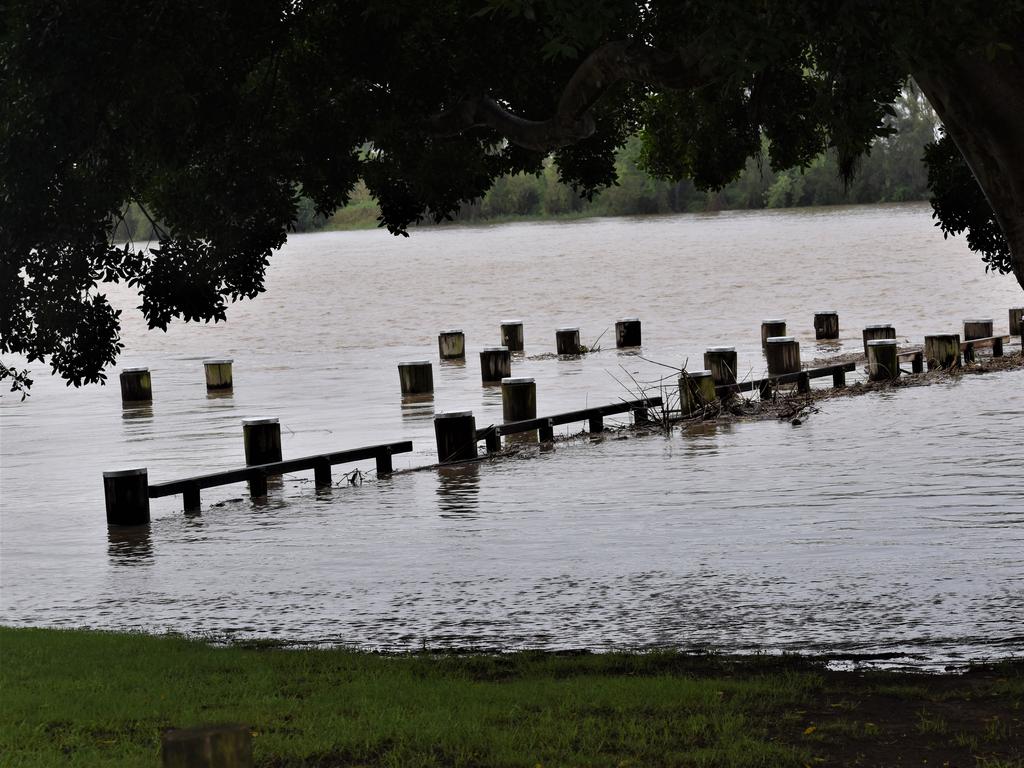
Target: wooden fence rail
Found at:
127, 492
257, 475
995, 342
546, 424
800, 378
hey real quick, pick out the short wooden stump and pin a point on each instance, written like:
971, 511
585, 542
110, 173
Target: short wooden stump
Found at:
455, 432
627, 332
883, 360
512, 335
218, 374
771, 328
978, 329
518, 399
783, 354
222, 746
262, 439
696, 390
416, 377
872, 332
126, 493
495, 364
136, 385
451, 344
942, 350
826, 325
721, 361
567, 341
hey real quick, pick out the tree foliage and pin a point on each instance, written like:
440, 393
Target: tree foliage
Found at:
212, 116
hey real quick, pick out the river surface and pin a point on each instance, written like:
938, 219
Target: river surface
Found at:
886, 526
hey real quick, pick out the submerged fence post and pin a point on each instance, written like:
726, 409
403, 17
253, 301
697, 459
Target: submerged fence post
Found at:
977, 329
627, 332
567, 341
883, 360
721, 361
696, 390
495, 364
518, 399
451, 344
455, 432
512, 335
262, 439
416, 377
826, 325
1016, 321
126, 494
942, 350
136, 385
218, 374
771, 328
783, 353
872, 332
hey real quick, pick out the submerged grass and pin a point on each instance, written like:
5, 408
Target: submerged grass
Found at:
101, 699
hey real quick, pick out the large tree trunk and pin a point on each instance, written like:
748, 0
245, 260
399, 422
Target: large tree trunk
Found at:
981, 103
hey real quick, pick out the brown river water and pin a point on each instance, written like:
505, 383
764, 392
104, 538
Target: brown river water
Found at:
888, 526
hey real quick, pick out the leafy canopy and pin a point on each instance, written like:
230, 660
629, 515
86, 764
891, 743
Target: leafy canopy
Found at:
213, 116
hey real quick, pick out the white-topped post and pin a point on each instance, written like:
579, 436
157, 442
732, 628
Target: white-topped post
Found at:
567, 341
512, 335
218, 374
883, 360
416, 377
126, 494
452, 344
455, 432
772, 327
136, 385
721, 361
696, 390
871, 332
518, 399
978, 329
826, 325
262, 438
942, 350
783, 354
495, 364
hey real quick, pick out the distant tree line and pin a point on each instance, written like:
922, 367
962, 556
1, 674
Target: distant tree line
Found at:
892, 172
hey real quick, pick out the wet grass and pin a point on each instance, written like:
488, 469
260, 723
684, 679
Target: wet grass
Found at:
87, 698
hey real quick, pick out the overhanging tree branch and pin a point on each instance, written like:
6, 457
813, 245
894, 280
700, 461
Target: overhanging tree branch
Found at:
612, 63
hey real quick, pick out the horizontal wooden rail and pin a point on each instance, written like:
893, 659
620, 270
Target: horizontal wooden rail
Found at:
837, 372
995, 342
257, 475
915, 357
546, 424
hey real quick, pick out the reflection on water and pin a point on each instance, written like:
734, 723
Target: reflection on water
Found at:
458, 490
418, 408
884, 523
134, 411
130, 546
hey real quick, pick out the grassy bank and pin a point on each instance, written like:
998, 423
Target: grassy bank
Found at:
86, 698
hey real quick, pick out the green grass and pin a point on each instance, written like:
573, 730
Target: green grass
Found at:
83, 698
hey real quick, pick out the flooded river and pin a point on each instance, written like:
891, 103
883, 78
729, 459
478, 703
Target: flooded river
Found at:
886, 525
